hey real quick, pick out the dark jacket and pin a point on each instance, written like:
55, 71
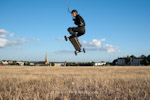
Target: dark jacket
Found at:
79, 21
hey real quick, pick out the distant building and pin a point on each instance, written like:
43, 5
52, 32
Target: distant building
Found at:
4, 62
121, 61
1, 64
32, 64
136, 61
20, 63
40, 63
100, 63
60, 64
10, 62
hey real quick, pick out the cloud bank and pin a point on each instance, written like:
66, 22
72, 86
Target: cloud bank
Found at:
96, 44
3, 33
4, 42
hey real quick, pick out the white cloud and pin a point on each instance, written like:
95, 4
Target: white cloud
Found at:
97, 45
35, 39
103, 39
84, 42
64, 51
16, 41
3, 42
3, 33
61, 39
11, 34
111, 49
94, 44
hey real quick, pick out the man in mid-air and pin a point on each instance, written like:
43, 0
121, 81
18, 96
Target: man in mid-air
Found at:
79, 21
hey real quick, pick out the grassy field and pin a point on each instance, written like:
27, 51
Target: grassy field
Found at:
74, 83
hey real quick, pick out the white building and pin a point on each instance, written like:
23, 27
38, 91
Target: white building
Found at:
20, 63
99, 63
136, 61
4, 62
32, 64
60, 64
121, 61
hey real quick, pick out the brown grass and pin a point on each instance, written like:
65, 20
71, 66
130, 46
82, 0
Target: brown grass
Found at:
74, 83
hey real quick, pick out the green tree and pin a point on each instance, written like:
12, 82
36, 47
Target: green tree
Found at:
14, 63
27, 63
132, 57
92, 63
148, 58
145, 61
53, 64
114, 62
67, 64
1, 62
128, 60
142, 56
108, 63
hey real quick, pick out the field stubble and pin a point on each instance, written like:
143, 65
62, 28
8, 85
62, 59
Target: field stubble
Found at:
74, 83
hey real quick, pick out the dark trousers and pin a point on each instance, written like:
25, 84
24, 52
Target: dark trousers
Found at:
76, 31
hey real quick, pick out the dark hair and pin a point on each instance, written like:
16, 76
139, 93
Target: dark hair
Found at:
74, 11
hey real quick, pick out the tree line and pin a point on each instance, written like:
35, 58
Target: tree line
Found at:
80, 64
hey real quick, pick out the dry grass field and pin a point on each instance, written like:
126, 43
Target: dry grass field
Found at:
74, 83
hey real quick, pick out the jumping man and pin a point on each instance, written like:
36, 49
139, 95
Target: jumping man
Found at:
79, 21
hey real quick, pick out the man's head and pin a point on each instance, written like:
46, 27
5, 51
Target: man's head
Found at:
74, 13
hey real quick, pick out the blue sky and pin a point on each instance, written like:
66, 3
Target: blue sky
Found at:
114, 28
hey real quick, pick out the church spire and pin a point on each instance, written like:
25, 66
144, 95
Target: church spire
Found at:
46, 59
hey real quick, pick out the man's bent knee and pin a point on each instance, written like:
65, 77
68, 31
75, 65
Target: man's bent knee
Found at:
80, 34
69, 29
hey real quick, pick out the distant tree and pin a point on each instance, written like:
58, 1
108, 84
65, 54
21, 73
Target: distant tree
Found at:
53, 64
142, 56
108, 63
86, 64
14, 63
114, 62
92, 63
132, 56
128, 60
27, 63
144, 61
67, 64
148, 58
80, 64
76, 64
